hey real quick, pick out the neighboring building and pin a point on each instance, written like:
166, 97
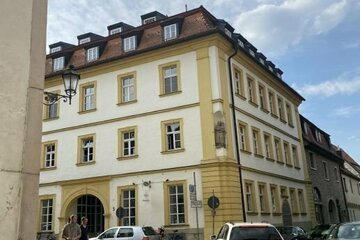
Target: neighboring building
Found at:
324, 164
153, 116
351, 184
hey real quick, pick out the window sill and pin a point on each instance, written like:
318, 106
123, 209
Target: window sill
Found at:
128, 157
177, 225
265, 213
270, 159
258, 155
281, 162
285, 196
291, 125
296, 214
170, 94
48, 168
264, 110
241, 96
87, 111
173, 151
276, 213
254, 104
274, 115
303, 214
289, 165
245, 151
297, 167
252, 213
126, 103
50, 119
85, 163
283, 121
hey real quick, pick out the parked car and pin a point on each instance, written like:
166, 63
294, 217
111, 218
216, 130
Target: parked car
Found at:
245, 231
345, 231
292, 233
320, 232
128, 233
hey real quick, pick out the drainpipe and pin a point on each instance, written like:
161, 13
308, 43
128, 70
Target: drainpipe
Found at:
235, 126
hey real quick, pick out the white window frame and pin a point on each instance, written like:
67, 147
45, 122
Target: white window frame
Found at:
58, 63
129, 143
170, 32
170, 75
89, 97
55, 49
50, 155
92, 54
172, 135
47, 207
129, 204
242, 137
180, 216
128, 88
84, 40
149, 20
115, 30
130, 43
87, 150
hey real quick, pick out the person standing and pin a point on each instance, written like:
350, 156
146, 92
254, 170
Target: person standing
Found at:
71, 230
84, 229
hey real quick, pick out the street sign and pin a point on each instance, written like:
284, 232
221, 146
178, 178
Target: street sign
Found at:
192, 192
213, 202
196, 204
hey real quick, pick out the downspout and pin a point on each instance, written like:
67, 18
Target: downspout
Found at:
235, 127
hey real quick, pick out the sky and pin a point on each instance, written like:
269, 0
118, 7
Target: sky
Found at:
316, 43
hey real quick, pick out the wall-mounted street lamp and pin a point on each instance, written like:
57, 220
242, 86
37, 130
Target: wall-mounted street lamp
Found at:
71, 79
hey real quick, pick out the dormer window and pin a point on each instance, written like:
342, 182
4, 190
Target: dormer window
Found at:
55, 49
252, 53
241, 43
227, 32
92, 54
305, 128
170, 32
129, 43
58, 63
318, 136
84, 40
271, 69
149, 20
115, 30
279, 75
262, 61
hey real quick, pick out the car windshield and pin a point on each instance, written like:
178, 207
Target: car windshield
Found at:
347, 231
149, 231
254, 233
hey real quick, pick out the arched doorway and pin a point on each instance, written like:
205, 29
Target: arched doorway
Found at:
332, 212
90, 206
286, 213
318, 206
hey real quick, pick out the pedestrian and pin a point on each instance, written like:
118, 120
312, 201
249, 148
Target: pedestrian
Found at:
71, 230
84, 229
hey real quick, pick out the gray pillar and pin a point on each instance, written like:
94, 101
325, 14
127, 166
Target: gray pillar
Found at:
22, 68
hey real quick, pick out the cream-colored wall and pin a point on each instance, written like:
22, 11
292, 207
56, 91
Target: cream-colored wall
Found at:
352, 196
22, 47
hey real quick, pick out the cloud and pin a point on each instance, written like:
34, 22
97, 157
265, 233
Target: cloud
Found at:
346, 111
273, 28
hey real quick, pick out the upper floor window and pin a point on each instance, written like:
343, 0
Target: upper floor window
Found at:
115, 30
55, 49
336, 173
278, 150
326, 171
318, 136
295, 156
127, 140
243, 137
289, 114
49, 155
251, 90
172, 135
58, 63
149, 20
130, 43
169, 78
305, 128
262, 95
351, 187
256, 141
84, 40
170, 32
281, 108
287, 153
312, 160
228, 32
87, 148
127, 87
345, 185
268, 146
87, 97
272, 103
92, 54
51, 111
238, 80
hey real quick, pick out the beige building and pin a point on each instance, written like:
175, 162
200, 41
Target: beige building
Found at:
155, 119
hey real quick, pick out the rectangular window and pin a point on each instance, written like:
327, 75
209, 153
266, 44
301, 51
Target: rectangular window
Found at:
301, 201
251, 90
263, 198
250, 198
289, 114
287, 153
55, 49
238, 80
115, 30
256, 141
149, 20
345, 185
130, 43
170, 32
351, 187
281, 108
318, 135
278, 150
295, 156
58, 63
51, 108
86, 152
312, 160
275, 200
243, 137
262, 95
127, 87
92, 54
336, 174
84, 40
176, 204
268, 146
284, 192
294, 201
169, 78
358, 186
87, 96
128, 202
172, 132
326, 171
272, 103
127, 141
46, 223
50, 155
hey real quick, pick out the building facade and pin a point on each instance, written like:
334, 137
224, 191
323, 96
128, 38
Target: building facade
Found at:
156, 129
325, 164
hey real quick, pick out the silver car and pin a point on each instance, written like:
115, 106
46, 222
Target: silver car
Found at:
128, 233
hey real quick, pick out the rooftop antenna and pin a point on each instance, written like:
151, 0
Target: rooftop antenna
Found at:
185, 7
